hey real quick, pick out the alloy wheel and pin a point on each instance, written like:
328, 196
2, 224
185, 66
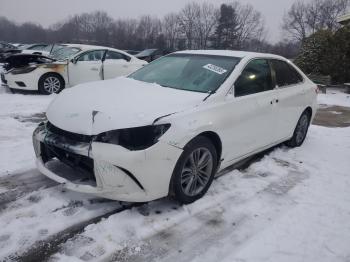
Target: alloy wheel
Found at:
52, 84
196, 171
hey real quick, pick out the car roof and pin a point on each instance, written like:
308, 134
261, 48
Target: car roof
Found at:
231, 53
90, 47
83, 48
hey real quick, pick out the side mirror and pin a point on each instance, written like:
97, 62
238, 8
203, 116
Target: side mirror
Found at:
74, 61
127, 58
230, 93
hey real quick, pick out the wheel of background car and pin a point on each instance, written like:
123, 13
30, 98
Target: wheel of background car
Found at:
50, 84
194, 171
300, 131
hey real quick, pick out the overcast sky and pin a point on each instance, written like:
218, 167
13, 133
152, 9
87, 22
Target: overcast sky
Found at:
47, 12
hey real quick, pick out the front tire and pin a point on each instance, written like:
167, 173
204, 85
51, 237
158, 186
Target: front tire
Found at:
300, 131
51, 84
194, 171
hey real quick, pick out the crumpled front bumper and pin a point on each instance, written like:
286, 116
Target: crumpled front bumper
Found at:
120, 174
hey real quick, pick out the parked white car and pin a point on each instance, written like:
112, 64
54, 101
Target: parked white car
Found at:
68, 66
168, 128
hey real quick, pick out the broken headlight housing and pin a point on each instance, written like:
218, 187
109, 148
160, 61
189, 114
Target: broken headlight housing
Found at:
137, 138
23, 70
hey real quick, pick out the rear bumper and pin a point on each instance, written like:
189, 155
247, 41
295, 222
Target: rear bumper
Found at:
119, 174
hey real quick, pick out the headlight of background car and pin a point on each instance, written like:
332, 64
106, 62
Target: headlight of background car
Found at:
23, 70
137, 138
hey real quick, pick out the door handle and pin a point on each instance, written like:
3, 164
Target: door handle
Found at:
274, 101
94, 68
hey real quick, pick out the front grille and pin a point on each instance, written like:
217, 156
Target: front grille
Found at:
84, 165
69, 135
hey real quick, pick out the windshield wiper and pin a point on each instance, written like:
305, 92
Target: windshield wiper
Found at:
209, 94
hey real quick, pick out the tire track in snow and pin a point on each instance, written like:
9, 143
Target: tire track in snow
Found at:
42, 250
193, 238
20, 184
191, 230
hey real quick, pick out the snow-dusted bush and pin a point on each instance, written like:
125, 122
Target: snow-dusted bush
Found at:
327, 53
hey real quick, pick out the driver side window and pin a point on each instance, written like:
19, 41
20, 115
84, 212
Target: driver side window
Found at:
95, 55
255, 78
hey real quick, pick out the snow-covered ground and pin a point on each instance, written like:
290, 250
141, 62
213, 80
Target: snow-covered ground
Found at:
334, 97
291, 205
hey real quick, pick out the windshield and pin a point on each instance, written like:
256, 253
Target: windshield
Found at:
146, 52
199, 73
23, 47
64, 53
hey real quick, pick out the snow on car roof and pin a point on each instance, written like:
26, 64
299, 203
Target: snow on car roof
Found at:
91, 47
232, 53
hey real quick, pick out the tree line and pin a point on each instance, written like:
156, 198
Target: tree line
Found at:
196, 26
231, 25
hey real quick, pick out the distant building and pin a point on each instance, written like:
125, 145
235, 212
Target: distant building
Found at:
344, 20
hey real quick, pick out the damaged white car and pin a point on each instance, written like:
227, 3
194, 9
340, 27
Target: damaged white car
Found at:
168, 128
66, 67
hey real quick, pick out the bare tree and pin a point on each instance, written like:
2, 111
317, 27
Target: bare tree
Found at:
237, 25
205, 24
295, 21
148, 30
304, 19
314, 16
251, 24
331, 10
171, 29
187, 20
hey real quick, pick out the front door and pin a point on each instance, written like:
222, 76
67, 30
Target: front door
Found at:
253, 111
86, 67
116, 64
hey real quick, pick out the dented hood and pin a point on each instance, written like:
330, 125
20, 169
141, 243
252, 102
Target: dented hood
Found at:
102, 106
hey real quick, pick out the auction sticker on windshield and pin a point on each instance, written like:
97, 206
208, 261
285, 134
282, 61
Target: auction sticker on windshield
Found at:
216, 69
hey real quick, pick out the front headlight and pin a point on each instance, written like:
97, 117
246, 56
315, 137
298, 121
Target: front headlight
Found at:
137, 138
23, 70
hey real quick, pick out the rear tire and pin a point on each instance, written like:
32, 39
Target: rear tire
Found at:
194, 171
300, 131
51, 84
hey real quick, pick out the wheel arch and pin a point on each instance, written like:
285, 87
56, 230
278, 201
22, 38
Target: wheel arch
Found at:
309, 111
216, 140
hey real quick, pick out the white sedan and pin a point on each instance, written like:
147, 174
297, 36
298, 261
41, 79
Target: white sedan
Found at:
168, 128
68, 66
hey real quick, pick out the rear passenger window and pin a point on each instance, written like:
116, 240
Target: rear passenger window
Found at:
95, 55
111, 55
285, 74
114, 55
255, 78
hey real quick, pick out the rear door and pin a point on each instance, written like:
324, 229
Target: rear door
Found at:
86, 67
290, 96
253, 114
116, 64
